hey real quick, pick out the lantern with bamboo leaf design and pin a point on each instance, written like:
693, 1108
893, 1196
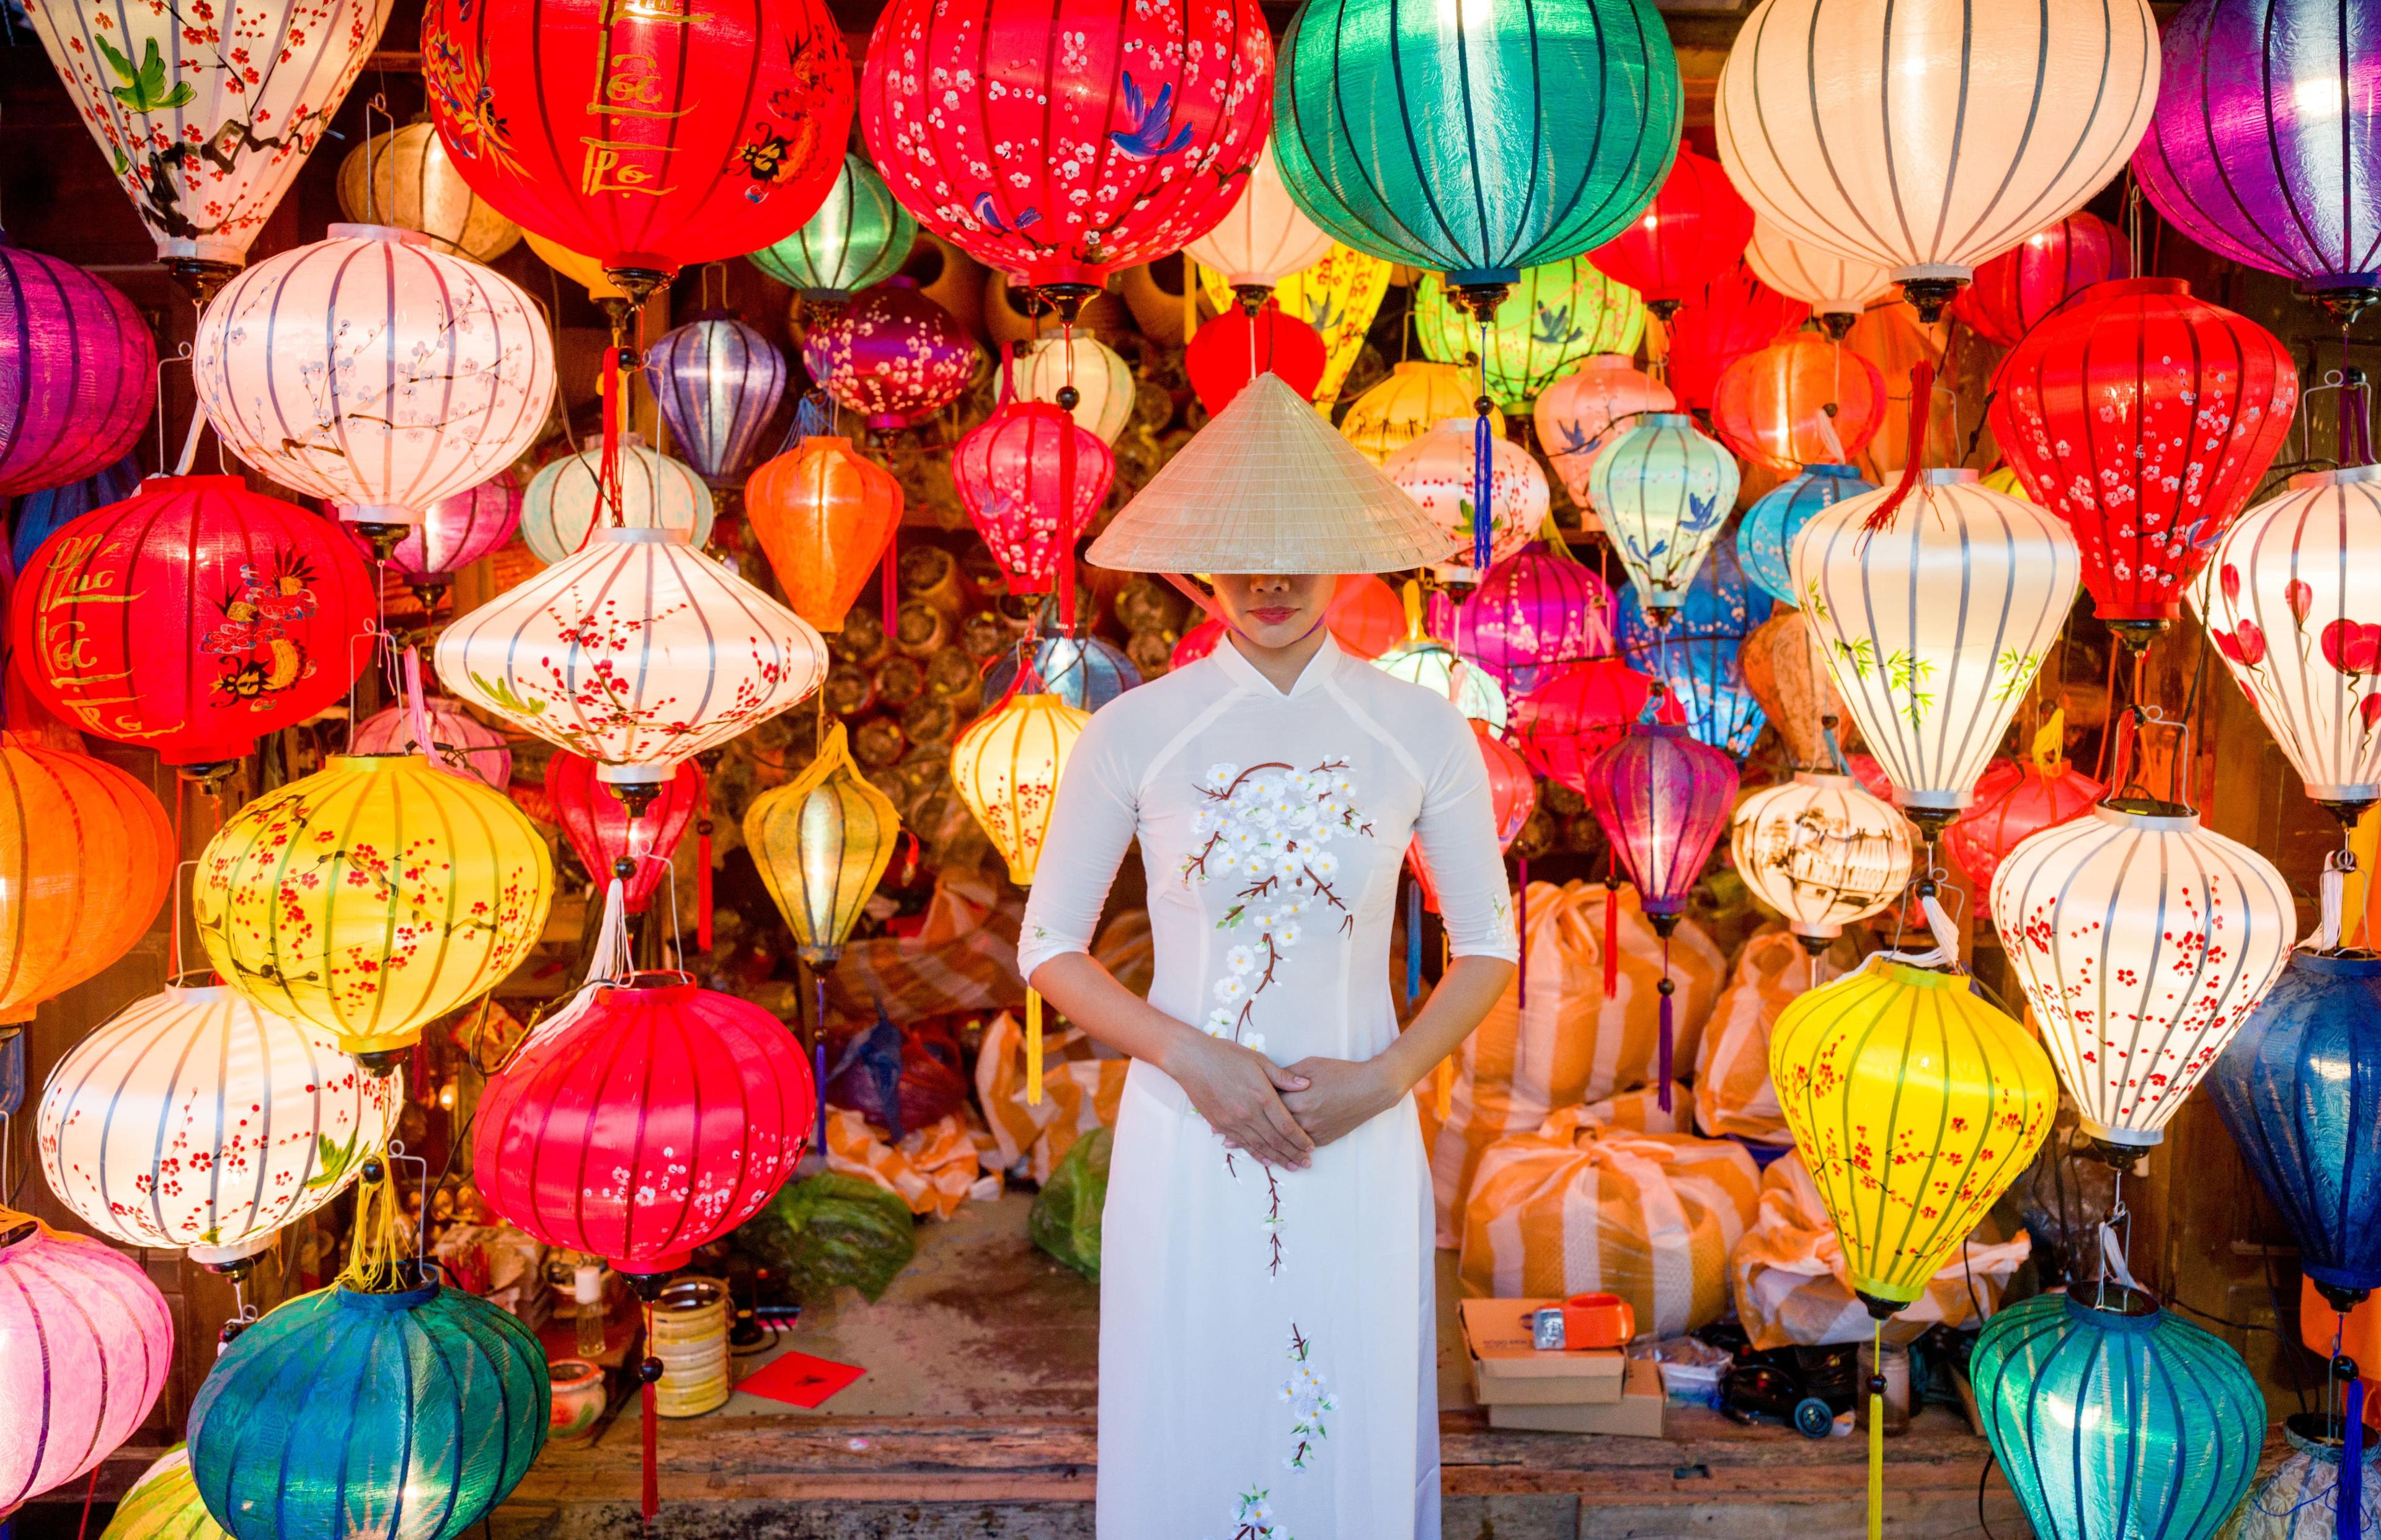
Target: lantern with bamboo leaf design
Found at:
821, 842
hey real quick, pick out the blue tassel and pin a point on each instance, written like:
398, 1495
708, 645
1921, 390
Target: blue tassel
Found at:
1479, 504
1413, 942
2351, 1467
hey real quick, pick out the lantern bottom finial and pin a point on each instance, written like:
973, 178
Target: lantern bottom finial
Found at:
1064, 301
199, 277
234, 1261
1932, 821
2118, 1157
2339, 1298
383, 538
1815, 940
2345, 302
381, 1063
2137, 635
1837, 323
2348, 810
636, 796
1930, 296
1880, 1308
207, 772
637, 282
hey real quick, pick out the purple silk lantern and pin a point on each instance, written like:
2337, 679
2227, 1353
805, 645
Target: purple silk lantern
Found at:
2267, 146
716, 381
1662, 798
455, 532
78, 372
892, 354
1532, 612
43, 514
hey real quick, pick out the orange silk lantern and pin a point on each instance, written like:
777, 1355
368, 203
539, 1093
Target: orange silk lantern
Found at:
1801, 400
823, 513
86, 856
1365, 616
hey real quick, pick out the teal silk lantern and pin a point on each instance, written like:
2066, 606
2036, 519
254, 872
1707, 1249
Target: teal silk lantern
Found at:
1557, 317
859, 237
1770, 525
402, 1416
2113, 1418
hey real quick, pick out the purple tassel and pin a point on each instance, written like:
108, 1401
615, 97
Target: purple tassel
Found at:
1479, 504
1667, 989
2351, 1467
1521, 918
818, 1053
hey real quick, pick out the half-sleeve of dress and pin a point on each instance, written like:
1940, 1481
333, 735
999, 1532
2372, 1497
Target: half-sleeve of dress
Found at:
1458, 830
1091, 826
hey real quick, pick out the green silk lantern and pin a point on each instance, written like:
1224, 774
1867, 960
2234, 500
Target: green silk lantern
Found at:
859, 237
1558, 315
163, 1505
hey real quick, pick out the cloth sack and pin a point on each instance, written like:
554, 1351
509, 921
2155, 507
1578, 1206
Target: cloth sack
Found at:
1732, 1091
1080, 1093
1564, 1043
1788, 1273
931, 1170
1578, 1207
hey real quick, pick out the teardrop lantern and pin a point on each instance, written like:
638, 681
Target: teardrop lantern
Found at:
1801, 400
404, 177
566, 498
2016, 291
1006, 767
1438, 471
1031, 481
825, 515
457, 739
1663, 491
1694, 230
1697, 650
86, 857
1416, 398
2016, 801
1557, 317
1262, 237
76, 367
716, 382
859, 237
892, 355
1534, 612
1837, 288
1766, 534
456, 531
611, 842
1820, 852
821, 842
1582, 412
92, 1345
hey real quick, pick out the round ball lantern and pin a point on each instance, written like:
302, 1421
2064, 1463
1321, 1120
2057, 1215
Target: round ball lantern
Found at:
1416, 398
1512, 798
2018, 290
653, 1121
1124, 144
39, 515
1365, 616
1532, 612
1935, 623
2145, 419
1031, 481
821, 842
716, 382
2015, 802
371, 897
422, 1409
1438, 668
1765, 536
2263, 149
565, 501
1237, 347
892, 355
1338, 295
1779, 661
1005, 767
825, 514
406, 178
649, 139
191, 1119
1801, 400
225, 615
1735, 314
1557, 317
2143, 942
1822, 852
1696, 227
164, 1504
86, 856
1580, 413
76, 373
457, 739
1914, 1104
859, 237
2111, 1416
1085, 672
603, 832
1663, 800
1663, 491
1262, 237
1102, 383
373, 370
1437, 471
456, 531
90, 1347
1196, 644
1835, 287
1697, 649
1969, 129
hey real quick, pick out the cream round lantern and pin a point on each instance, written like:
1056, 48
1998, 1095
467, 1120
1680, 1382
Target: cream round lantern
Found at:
1835, 287
1264, 238
1821, 851
1437, 471
404, 178
1104, 382
1925, 135
656, 493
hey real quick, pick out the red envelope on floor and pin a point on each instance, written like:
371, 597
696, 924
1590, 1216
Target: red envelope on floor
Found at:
799, 1378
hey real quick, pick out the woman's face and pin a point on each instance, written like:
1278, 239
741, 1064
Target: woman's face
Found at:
1273, 610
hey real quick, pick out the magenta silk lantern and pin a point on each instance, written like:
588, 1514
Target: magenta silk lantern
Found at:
76, 367
455, 532
1532, 612
458, 740
892, 355
85, 1346
1030, 480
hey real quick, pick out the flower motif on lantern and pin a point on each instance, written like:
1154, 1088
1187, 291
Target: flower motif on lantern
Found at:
86, 856
406, 178
1580, 413
716, 382
1534, 612
77, 366
1006, 767
2017, 291
1583, 709
859, 237
1031, 481
1697, 653
1735, 314
2017, 801
821, 842
1262, 237
1801, 400
1104, 388
1767, 533
94, 1346
457, 739
456, 531
1437, 471
1663, 491
1696, 227
892, 355
566, 499
1416, 398
603, 832
823, 513
1821, 851
1837, 288
1338, 295
1557, 317
1235, 348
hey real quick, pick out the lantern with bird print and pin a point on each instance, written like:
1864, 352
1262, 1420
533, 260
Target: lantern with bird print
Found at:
1557, 317
1767, 533
1663, 491
1582, 412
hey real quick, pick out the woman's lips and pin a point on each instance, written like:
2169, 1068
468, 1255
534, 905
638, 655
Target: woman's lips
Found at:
1274, 615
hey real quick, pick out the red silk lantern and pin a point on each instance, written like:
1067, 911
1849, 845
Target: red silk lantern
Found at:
1365, 616
1801, 400
1232, 349
1196, 644
1734, 315
2143, 418
1058, 141
1693, 231
648, 137
651, 1119
603, 833
193, 617
2015, 799
1030, 479
1580, 712
823, 513
2013, 293
1512, 795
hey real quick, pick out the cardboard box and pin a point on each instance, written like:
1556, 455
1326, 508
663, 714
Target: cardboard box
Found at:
1507, 1371
1638, 1413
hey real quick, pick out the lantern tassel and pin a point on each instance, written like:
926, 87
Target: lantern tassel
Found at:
1414, 941
703, 885
1067, 532
1032, 1046
608, 493
1480, 509
650, 1503
1611, 938
1522, 922
1922, 406
2351, 1466
1668, 989
1876, 1435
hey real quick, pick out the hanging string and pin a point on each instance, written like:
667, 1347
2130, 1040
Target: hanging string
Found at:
1668, 989
2351, 1452
1066, 471
1611, 925
650, 1372
608, 494
1482, 406
702, 876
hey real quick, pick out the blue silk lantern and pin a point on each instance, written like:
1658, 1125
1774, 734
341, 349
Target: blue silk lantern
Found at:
1696, 656
1778, 516
41, 514
1662, 490
2299, 1087
716, 381
859, 237
2113, 1418
1085, 673
402, 1416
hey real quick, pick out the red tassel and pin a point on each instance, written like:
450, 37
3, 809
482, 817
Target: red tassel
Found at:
652, 1505
703, 885
1066, 431
1921, 407
1521, 920
1611, 938
608, 465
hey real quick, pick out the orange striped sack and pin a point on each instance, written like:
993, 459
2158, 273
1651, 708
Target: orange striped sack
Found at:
1732, 1090
1080, 1093
1788, 1279
1567, 1043
931, 1170
1579, 1206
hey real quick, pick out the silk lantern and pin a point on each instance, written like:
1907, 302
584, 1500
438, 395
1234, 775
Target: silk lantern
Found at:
2016, 291
1779, 661
404, 177
1534, 612
1766, 534
1512, 798
1235, 348
1196, 644
2145, 419
2111, 1416
1338, 295
86, 856
1933, 624
2304, 1496
2017, 801
457, 739
566, 498
1735, 314
821, 842
164, 1504
1416, 398
1820, 852
456, 531
1915, 1105
2299, 1088
375, 371
1005, 767
825, 514
1085, 672
2262, 147
1696, 227
1580, 413
1663, 491
371, 897
716, 382
1262, 237
1893, 338
1697, 651
191, 1119
1365, 616
206, 145
584, 271
1102, 383
39, 515
1031, 481
1835, 287
1801, 400
652, 1121
859, 237
1437, 668
1557, 317
603, 833
1971, 127
90, 1346
1582, 710
1439, 470
422, 1409
2291, 597
892, 355
637, 653
76, 369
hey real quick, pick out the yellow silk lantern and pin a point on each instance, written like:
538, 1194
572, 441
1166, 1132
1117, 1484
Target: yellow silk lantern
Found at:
1338, 296
821, 841
405, 180
371, 897
1415, 399
586, 272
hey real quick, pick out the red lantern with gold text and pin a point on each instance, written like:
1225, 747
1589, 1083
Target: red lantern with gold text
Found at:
1030, 479
2145, 419
1056, 142
1695, 230
823, 513
648, 137
1235, 348
1734, 315
2014, 799
602, 834
1801, 400
2017, 289
193, 617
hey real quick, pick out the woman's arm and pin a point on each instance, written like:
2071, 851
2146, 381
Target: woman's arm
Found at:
1344, 1095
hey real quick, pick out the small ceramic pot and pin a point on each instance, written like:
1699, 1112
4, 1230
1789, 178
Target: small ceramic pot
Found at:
577, 1400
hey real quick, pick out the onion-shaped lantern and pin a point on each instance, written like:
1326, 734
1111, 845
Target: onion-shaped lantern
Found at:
1821, 851
1663, 800
1576, 714
1801, 400
1085, 672
1696, 649
1437, 471
86, 856
2015, 802
456, 531
192, 1118
1417, 396
1534, 612
1102, 383
1238, 345
1580, 413
1262, 237
1663, 491
1780, 666
859, 237
1031, 481
1557, 317
457, 739
1007, 766
164, 1504
76, 365
821, 842
91, 1345
2304, 1496
892, 355
39, 515
566, 500
825, 514
1735, 314
1338, 295
716, 382
1694, 230
2025, 285
406, 178
1837, 288
1765, 536
609, 840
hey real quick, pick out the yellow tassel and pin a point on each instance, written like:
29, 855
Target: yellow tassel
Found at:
373, 1241
1033, 1047
1445, 1076
1411, 595
1876, 1439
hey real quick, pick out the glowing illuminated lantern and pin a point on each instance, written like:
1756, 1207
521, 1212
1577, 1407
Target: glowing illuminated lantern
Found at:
1262, 237
457, 739
1767, 533
1801, 400
404, 178
565, 498
859, 237
2017, 801
821, 842
823, 514
1338, 295
1007, 766
1779, 664
1532, 613
1663, 491
1556, 316
1415, 399
1580, 413
1437, 470
1238, 346
1697, 650
163, 1505
455, 532
1438, 668
1735, 314
1662, 798
1821, 851
2025, 285
92, 1345
716, 382
86, 856
892, 355
1102, 383
584, 271
1694, 230
1512, 797
612, 842
1030, 480
76, 365
1583, 710
1837, 288
1365, 616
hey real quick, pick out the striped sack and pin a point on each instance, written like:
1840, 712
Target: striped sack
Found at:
1079, 1094
931, 1170
1732, 1090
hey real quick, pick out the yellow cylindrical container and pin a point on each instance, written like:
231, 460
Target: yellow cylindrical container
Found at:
689, 1336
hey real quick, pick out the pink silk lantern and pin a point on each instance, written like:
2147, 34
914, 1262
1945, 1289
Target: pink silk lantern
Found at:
1588, 409
76, 373
459, 740
1579, 712
603, 833
1735, 314
892, 355
86, 1345
455, 532
2015, 290
1534, 612
1030, 480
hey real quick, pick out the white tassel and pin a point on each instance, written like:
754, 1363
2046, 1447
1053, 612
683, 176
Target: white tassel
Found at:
2333, 890
606, 964
1946, 950
2112, 1258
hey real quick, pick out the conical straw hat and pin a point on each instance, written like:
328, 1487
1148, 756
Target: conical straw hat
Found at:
1270, 486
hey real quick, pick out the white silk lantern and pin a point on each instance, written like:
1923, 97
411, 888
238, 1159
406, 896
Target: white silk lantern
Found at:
2143, 942
639, 652
1663, 491
1264, 237
375, 371
1104, 382
1821, 851
1925, 135
1437, 471
1933, 625
1584, 411
194, 1118
563, 499
1835, 287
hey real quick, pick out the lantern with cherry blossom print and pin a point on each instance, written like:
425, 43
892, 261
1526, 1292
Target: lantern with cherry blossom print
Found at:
1837, 288
1416, 398
2143, 942
1262, 237
1801, 400
1556, 317
1736, 314
2017, 800
1576, 714
76, 368
1694, 230
860, 236
892, 355
566, 498
825, 514
1437, 471
86, 856
1030, 480
716, 381
457, 739
1007, 766
1821, 851
1534, 612
2017, 291
1767, 533
2145, 419
1580, 413
612, 841
1663, 491
1238, 346
90, 1346
455, 532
